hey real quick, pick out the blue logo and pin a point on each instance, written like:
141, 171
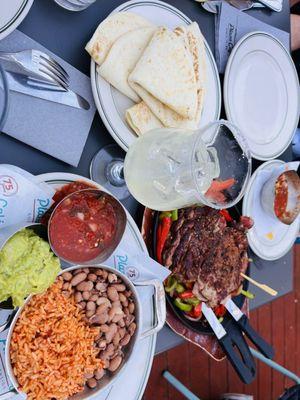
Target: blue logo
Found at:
3, 204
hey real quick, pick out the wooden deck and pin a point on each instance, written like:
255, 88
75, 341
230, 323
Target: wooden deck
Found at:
278, 322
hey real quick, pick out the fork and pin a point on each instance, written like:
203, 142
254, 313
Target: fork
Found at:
36, 64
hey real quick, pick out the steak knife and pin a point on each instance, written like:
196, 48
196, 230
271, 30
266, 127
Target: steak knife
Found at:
31, 87
234, 345
243, 322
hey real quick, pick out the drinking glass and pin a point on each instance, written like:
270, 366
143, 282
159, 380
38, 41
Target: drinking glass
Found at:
166, 169
74, 5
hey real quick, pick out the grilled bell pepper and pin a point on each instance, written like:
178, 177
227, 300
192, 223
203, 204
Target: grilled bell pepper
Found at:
162, 234
171, 284
220, 310
226, 215
174, 215
182, 306
165, 214
179, 288
196, 312
248, 294
193, 301
188, 294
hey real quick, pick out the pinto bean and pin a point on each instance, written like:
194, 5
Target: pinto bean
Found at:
104, 328
91, 306
112, 278
128, 293
98, 272
99, 319
132, 328
84, 286
120, 287
112, 294
90, 313
104, 274
67, 276
111, 333
82, 305
131, 308
121, 323
101, 286
92, 277
92, 383
99, 374
115, 363
116, 339
78, 278
86, 270
129, 319
117, 318
88, 376
122, 332
122, 298
103, 300
125, 340
103, 308
78, 297
86, 295
94, 297
102, 344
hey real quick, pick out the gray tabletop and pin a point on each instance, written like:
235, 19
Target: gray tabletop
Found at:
66, 33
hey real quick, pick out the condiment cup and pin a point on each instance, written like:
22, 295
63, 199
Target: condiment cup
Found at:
120, 228
109, 378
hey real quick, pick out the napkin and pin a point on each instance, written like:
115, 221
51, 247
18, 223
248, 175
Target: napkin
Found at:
231, 25
268, 227
137, 266
58, 130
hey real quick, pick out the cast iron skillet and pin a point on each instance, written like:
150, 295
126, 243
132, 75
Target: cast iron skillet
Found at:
201, 326
233, 343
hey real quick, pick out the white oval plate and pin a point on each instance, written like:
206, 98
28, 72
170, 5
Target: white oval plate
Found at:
265, 248
112, 104
135, 376
12, 13
261, 94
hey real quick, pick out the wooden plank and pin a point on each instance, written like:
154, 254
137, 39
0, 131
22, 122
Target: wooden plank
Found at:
179, 366
264, 371
157, 387
290, 334
199, 372
278, 329
218, 378
297, 304
252, 388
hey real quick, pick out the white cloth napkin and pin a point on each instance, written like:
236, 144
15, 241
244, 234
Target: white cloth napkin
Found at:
266, 226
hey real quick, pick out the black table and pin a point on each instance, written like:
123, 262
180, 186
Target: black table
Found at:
66, 33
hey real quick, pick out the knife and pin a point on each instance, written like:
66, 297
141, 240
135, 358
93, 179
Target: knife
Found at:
243, 322
31, 87
234, 345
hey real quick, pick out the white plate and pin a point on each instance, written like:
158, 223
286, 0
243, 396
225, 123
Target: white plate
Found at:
112, 104
261, 94
265, 248
136, 374
12, 13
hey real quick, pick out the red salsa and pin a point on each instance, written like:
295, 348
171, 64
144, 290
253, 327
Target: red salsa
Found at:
281, 196
63, 192
82, 226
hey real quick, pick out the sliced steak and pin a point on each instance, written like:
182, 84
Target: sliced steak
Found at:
204, 250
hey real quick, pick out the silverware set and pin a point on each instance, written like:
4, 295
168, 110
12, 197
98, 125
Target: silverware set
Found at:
37, 65
36, 74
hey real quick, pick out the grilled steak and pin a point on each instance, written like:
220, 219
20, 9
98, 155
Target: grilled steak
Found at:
203, 249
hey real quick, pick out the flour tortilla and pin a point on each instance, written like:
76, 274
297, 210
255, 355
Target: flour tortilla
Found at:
122, 58
165, 71
191, 35
141, 119
110, 30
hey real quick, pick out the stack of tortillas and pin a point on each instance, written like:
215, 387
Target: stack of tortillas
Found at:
161, 70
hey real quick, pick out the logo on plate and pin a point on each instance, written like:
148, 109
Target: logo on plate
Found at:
132, 273
8, 185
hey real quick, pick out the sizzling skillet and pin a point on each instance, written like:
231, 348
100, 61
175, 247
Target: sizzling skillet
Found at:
233, 343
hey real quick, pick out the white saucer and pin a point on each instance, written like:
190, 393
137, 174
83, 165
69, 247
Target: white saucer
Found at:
261, 239
261, 94
12, 13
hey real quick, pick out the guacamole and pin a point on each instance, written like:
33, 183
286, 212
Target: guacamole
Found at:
27, 266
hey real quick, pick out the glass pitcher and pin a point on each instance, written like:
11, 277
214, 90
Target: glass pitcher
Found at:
167, 169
